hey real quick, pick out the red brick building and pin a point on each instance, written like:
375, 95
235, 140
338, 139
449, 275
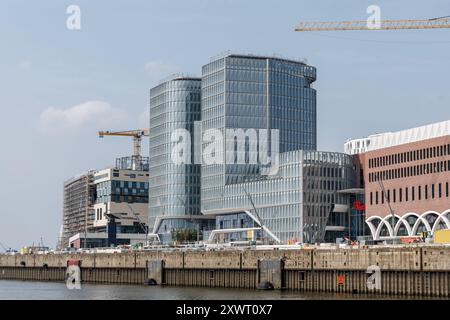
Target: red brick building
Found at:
408, 171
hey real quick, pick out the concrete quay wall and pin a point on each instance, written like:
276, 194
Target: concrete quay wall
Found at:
433, 258
407, 270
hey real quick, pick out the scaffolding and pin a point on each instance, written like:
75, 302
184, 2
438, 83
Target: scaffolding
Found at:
78, 210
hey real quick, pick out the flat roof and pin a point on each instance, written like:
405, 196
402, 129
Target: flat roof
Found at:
258, 56
392, 139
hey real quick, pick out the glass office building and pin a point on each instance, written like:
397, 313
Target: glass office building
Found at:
174, 193
299, 202
255, 92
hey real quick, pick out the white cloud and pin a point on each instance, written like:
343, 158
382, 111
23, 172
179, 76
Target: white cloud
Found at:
90, 115
160, 69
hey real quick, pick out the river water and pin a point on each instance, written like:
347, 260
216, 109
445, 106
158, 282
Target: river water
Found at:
26, 290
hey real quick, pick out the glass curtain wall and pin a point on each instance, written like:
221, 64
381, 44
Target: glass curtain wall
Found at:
252, 92
174, 188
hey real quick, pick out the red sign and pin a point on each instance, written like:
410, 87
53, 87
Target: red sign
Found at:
341, 280
357, 205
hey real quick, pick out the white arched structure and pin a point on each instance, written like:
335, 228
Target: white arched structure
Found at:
443, 217
405, 221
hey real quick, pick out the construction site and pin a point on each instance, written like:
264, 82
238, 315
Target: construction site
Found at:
89, 210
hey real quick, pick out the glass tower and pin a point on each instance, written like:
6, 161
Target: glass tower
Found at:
255, 92
174, 188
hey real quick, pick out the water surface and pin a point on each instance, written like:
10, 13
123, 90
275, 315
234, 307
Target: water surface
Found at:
28, 290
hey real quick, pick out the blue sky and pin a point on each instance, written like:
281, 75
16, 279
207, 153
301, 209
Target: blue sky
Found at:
58, 87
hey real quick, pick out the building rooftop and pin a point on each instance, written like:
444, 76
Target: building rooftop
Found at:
179, 77
391, 139
256, 56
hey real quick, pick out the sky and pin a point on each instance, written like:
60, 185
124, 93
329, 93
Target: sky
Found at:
58, 87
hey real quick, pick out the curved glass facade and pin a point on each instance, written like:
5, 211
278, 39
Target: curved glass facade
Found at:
250, 92
296, 204
242, 92
174, 188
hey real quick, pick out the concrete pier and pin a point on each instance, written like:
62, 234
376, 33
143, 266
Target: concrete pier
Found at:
407, 270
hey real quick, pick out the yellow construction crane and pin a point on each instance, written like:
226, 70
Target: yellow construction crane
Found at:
135, 134
435, 23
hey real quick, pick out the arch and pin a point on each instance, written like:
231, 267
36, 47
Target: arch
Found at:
421, 221
446, 214
398, 222
411, 221
441, 218
387, 224
372, 227
440, 222
402, 231
431, 218
405, 223
406, 217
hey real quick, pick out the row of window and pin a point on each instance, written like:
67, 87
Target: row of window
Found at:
406, 194
427, 168
413, 155
122, 199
